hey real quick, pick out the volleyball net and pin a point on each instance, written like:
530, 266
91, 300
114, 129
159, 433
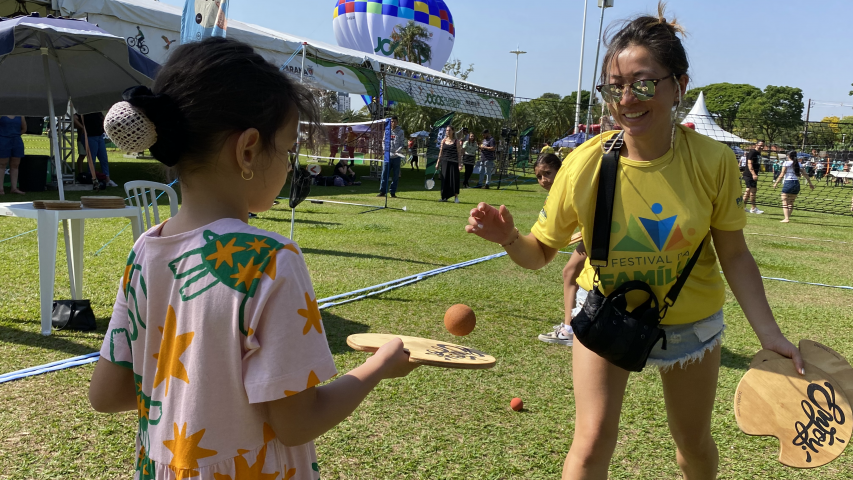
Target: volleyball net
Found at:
823, 152
360, 143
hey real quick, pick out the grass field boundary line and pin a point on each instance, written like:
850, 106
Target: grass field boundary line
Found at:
51, 367
18, 235
843, 287
394, 284
799, 238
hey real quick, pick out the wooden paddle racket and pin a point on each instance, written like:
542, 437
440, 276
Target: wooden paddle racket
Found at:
424, 351
809, 415
831, 362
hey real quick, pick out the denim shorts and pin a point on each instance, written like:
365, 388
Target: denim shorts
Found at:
685, 343
791, 187
11, 147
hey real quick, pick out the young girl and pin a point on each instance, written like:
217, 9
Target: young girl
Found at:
790, 177
216, 339
546, 169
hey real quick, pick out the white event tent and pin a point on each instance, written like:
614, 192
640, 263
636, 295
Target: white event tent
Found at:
326, 66
705, 124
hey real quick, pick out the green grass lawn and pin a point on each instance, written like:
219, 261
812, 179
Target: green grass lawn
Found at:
436, 424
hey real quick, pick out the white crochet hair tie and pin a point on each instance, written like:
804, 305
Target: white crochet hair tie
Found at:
129, 129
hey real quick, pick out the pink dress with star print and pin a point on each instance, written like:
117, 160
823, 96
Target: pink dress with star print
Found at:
213, 323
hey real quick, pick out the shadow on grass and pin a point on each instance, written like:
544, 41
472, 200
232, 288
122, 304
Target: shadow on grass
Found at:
338, 329
337, 253
52, 342
734, 360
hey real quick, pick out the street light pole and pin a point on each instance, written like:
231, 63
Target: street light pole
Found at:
580, 71
517, 52
603, 4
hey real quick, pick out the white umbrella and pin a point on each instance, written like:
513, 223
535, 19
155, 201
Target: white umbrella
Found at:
67, 60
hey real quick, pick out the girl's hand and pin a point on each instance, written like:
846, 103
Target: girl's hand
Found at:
492, 224
394, 359
781, 345
775, 185
811, 185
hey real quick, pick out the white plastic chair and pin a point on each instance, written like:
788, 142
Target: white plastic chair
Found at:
144, 194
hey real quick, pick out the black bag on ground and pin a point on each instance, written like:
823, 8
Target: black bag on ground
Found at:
604, 324
73, 315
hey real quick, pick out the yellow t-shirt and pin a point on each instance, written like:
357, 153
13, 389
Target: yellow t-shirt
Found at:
564, 152
546, 150
662, 210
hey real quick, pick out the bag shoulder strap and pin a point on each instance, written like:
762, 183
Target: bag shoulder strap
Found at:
672, 295
600, 248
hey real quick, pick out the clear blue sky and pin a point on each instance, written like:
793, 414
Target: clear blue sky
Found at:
804, 44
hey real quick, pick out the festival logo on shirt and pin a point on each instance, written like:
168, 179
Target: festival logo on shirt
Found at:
650, 235
652, 251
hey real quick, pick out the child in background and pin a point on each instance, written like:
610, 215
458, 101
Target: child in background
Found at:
546, 169
216, 338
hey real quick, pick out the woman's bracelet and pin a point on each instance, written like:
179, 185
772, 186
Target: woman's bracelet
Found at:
517, 236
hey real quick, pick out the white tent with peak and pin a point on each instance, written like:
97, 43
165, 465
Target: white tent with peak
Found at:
705, 124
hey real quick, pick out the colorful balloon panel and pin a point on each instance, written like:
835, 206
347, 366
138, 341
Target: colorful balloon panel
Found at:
366, 25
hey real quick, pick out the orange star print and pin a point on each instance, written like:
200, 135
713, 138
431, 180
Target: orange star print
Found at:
312, 313
313, 381
245, 472
257, 245
171, 348
186, 452
247, 274
225, 254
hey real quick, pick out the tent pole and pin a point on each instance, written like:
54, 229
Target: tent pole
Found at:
597, 52
53, 130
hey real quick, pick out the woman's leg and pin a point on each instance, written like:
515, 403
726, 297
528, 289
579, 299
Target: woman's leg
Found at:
785, 211
599, 387
3, 162
13, 175
689, 393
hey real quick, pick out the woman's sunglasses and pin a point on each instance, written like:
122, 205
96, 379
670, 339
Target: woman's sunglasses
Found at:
644, 90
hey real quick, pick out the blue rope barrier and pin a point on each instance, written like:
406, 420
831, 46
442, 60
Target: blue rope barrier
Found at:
18, 235
326, 303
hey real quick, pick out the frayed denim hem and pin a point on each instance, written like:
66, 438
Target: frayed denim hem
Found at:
666, 365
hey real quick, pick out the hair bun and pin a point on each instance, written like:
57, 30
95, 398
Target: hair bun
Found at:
129, 128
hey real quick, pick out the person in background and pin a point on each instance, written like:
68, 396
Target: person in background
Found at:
352, 141
334, 143
564, 152
391, 169
750, 176
11, 150
790, 175
449, 163
469, 157
546, 149
546, 169
487, 159
93, 125
343, 170
413, 153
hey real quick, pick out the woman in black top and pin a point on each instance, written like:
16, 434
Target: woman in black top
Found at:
450, 162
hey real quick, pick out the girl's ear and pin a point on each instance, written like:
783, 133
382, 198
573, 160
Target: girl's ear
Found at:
247, 150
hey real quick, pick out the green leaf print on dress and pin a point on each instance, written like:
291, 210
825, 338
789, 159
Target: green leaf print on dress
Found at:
146, 408
236, 260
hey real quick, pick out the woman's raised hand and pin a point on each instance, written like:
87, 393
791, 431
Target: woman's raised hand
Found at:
492, 224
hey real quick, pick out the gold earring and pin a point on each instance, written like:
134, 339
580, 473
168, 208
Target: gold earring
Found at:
243, 174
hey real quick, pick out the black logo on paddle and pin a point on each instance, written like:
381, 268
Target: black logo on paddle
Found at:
454, 352
818, 432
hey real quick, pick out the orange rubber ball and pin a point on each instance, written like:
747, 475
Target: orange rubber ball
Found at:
460, 320
516, 404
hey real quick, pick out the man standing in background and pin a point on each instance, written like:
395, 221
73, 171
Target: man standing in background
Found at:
750, 176
487, 159
392, 167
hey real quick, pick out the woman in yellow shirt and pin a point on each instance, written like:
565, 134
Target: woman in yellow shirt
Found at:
675, 190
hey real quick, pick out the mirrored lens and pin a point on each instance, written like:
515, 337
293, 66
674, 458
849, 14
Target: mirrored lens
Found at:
643, 90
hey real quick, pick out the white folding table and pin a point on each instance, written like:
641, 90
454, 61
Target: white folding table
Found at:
72, 224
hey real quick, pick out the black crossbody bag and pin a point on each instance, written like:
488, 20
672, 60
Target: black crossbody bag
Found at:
604, 324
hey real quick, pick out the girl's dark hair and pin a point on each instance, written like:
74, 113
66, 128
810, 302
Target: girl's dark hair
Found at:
550, 160
792, 155
221, 87
657, 35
